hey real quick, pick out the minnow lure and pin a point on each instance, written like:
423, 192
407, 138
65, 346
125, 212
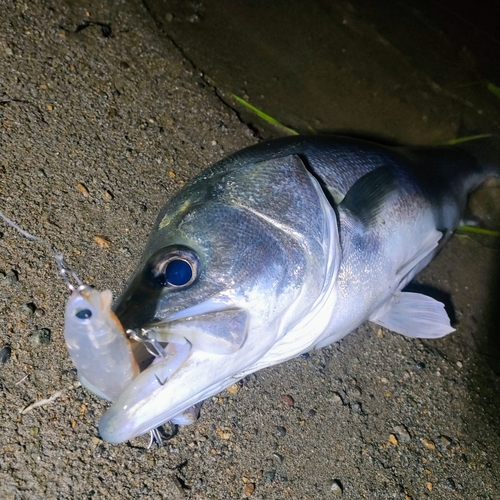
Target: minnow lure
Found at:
101, 350
96, 341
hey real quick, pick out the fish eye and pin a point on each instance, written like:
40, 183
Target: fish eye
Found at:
178, 272
175, 267
83, 313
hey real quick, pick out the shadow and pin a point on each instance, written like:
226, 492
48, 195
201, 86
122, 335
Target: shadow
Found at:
379, 139
490, 348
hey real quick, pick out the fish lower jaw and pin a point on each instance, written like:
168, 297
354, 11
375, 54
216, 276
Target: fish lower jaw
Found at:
119, 424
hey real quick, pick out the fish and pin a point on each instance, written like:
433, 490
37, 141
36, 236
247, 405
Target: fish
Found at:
284, 247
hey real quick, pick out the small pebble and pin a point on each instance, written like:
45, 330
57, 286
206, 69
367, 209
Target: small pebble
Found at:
460, 364
102, 242
233, 389
356, 408
287, 399
41, 337
8, 279
249, 489
281, 430
393, 439
446, 441
279, 458
39, 312
449, 483
5, 353
428, 444
223, 434
305, 355
28, 309
107, 196
312, 413
403, 433
336, 398
83, 190
336, 488
420, 365
269, 476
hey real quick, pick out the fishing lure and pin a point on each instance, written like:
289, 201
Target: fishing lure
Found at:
106, 357
96, 341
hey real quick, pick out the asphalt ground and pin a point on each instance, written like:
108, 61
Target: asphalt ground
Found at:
106, 109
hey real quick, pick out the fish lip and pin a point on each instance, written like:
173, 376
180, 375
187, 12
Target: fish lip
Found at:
205, 307
214, 329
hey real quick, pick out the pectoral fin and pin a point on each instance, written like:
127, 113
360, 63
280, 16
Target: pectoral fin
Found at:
414, 315
368, 197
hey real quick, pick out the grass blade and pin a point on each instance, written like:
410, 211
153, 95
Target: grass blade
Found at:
494, 89
454, 142
265, 116
478, 230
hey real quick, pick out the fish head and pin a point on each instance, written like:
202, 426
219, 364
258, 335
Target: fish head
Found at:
234, 262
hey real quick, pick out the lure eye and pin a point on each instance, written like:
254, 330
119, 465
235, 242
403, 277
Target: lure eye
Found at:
175, 267
83, 313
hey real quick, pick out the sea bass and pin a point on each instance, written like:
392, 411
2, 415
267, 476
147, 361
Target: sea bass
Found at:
278, 249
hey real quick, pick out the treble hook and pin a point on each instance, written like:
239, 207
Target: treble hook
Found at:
152, 345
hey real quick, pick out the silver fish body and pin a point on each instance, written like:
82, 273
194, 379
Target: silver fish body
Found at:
280, 248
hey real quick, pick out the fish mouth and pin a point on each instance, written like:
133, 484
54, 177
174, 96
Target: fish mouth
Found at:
188, 358
162, 348
221, 331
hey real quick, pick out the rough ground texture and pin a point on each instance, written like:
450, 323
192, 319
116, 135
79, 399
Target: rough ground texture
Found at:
102, 117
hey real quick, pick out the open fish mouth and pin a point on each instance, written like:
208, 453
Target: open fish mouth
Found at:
213, 328
166, 357
170, 342
221, 331
173, 349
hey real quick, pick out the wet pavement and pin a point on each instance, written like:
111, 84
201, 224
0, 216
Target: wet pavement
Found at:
105, 111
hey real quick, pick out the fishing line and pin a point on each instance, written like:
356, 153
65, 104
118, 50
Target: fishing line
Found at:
66, 272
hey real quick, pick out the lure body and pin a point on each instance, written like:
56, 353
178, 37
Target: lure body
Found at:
97, 343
